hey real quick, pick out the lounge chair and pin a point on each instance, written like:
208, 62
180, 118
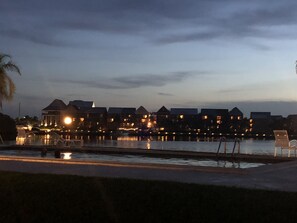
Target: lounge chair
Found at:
282, 141
59, 141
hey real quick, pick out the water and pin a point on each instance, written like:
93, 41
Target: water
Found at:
247, 146
134, 159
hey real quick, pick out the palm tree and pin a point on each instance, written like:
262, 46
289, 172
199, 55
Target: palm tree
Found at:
7, 87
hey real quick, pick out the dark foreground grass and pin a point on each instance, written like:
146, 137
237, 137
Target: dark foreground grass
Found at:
58, 198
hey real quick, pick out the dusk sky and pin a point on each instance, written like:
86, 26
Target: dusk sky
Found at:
177, 53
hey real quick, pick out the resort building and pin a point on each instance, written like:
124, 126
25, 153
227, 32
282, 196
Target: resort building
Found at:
122, 119
214, 120
51, 115
184, 119
83, 116
260, 122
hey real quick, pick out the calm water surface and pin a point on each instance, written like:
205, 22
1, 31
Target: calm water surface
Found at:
247, 146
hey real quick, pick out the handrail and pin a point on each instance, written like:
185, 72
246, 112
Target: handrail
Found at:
1, 139
222, 139
236, 141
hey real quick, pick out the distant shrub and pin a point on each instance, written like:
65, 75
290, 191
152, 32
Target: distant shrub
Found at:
7, 128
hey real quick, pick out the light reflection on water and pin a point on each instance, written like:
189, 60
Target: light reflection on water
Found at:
195, 144
247, 146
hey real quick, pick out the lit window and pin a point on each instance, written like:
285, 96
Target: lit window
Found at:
238, 118
145, 116
232, 117
181, 116
143, 120
162, 129
82, 119
204, 117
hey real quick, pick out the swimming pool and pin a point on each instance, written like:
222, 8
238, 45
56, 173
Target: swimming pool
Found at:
126, 158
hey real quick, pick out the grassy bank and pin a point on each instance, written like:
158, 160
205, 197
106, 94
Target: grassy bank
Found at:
57, 198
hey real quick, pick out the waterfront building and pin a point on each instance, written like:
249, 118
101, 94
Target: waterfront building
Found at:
51, 115
260, 123
214, 120
163, 120
291, 124
143, 120
122, 119
237, 123
95, 119
184, 119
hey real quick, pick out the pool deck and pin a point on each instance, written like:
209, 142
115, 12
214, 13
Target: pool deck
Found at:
279, 176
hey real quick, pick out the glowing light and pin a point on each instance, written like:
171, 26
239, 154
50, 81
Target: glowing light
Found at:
66, 156
67, 120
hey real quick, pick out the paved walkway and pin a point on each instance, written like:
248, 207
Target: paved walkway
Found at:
280, 176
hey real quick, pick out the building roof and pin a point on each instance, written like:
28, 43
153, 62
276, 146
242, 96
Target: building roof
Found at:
141, 111
260, 115
97, 110
236, 112
214, 112
120, 110
163, 111
184, 111
82, 104
57, 104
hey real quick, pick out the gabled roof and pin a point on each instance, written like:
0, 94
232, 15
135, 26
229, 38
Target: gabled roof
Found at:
163, 111
82, 104
236, 112
57, 104
120, 110
184, 111
141, 111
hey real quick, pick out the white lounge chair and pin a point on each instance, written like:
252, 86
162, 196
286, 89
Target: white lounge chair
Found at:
59, 141
282, 141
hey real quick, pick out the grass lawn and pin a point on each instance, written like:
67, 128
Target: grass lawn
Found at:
57, 198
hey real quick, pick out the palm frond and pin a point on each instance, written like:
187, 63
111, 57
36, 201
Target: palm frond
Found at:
11, 67
2, 56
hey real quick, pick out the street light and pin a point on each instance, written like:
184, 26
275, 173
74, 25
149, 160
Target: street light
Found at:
67, 120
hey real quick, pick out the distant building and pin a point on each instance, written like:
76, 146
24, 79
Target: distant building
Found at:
184, 119
260, 123
237, 124
291, 124
96, 119
82, 105
214, 120
123, 119
163, 119
51, 115
143, 119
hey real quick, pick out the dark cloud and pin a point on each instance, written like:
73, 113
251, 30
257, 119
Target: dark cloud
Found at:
160, 21
136, 81
165, 94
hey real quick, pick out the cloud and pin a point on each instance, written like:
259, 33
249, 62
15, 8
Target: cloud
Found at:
160, 21
165, 94
135, 81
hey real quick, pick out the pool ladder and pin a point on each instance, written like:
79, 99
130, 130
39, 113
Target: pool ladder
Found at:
224, 140
1, 140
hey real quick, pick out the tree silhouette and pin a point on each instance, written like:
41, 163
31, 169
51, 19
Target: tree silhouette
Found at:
7, 87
